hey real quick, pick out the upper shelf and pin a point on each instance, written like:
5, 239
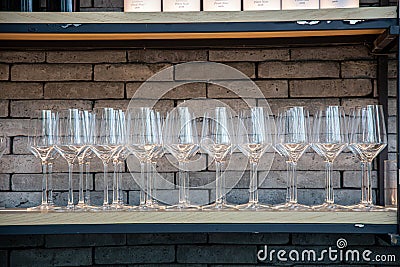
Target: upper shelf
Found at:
196, 25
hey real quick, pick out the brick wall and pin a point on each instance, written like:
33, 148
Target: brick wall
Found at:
312, 76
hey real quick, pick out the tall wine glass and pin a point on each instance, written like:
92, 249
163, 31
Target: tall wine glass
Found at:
144, 139
43, 132
71, 142
367, 139
329, 138
84, 157
118, 158
254, 138
217, 140
181, 140
106, 143
292, 140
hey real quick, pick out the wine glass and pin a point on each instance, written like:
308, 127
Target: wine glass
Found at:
217, 140
118, 158
144, 139
42, 138
367, 139
84, 157
329, 138
254, 138
106, 143
71, 142
181, 140
292, 140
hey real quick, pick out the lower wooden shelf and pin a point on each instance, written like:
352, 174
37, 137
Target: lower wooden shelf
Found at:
21, 221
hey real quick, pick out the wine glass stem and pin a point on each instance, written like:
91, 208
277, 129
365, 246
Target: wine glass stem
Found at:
183, 184
81, 195
70, 189
105, 182
119, 189
253, 188
153, 179
142, 184
218, 183
149, 184
329, 183
292, 182
366, 190
50, 183
44, 184
115, 182
87, 190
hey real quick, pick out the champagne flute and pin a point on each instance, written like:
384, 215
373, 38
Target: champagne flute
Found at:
144, 139
329, 138
218, 141
292, 140
181, 140
42, 138
254, 138
367, 139
71, 142
106, 143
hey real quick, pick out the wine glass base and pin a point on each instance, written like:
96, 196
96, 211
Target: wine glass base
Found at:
330, 207
44, 208
254, 207
292, 207
219, 207
118, 206
366, 207
182, 207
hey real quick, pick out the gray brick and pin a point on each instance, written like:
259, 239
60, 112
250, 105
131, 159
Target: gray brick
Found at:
21, 241
275, 104
391, 127
4, 182
135, 254
248, 55
97, 56
166, 56
330, 88
179, 238
248, 238
33, 182
27, 108
96, 198
19, 199
162, 105
241, 196
246, 68
217, 254
352, 179
129, 72
170, 197
392, 143
86, 3
269, 89
14, 127
299, 70
392, 104
85, 240
12, 90
51, 257
330, 239
392, 87
205, 71
162, 181
392, 71
20, 164
350, 196
331, 53
358, 69
20, 146
84, 90
186, 91
108, 3
22, 56
4, 108
51, 72
4, 72
349, 103
313, 196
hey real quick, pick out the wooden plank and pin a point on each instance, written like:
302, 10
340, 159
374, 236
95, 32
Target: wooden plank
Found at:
8, 218
200, 17
170, 36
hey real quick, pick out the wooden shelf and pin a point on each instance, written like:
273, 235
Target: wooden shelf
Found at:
196, 25
379, 222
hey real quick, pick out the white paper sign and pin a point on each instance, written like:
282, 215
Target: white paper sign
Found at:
222, 5
300, 4
142, 5
261, 5
181, 5
339, 3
